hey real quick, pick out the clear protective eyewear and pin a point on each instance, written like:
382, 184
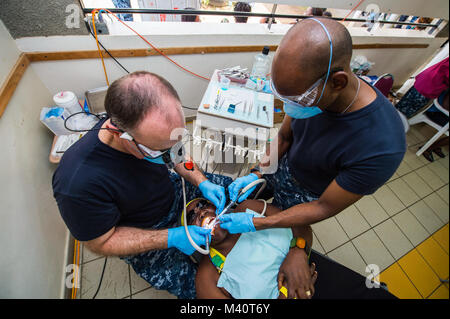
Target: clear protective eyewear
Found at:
176, 152
308, 98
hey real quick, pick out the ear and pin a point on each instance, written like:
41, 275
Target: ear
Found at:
112, 128
339, 80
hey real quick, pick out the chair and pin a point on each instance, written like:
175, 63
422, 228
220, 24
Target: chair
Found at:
421, 117
384, 84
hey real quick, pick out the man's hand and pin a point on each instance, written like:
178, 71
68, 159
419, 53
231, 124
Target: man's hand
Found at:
296, 275
214, 193
177, 237
240, 183
237, 223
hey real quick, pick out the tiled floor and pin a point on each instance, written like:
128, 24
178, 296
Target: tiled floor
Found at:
402, 228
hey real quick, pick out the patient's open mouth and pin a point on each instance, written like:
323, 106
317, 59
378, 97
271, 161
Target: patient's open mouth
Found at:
207, 223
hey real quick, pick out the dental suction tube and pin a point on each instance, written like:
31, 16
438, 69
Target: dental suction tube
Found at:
197, 247
243, 191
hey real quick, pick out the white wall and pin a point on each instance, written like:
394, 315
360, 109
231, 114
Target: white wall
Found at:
33, 237
80, 75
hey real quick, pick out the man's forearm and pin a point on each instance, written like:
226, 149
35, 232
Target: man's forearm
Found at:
131, 241
299, 215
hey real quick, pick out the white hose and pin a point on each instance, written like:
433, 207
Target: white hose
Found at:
245, 189
197, 247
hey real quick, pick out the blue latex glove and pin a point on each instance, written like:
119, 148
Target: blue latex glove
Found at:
177, 238
240, 183
237, 223
214, 193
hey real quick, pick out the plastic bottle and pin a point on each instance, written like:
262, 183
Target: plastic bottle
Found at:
261, 65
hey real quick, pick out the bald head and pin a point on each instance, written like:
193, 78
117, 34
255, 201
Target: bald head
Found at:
303, 54
130, 98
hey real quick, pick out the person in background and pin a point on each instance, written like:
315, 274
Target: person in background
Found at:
123, 4
266, 20
327, 14
429, 84
242, 7
314, 12
423, 20
190, 17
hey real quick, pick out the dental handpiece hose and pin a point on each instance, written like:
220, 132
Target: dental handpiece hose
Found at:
241, 192
197, 247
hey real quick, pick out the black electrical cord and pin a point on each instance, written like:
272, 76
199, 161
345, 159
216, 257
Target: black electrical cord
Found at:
101, 279
190, 108
106, 50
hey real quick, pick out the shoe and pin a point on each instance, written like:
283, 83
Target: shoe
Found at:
438, 152
428, 155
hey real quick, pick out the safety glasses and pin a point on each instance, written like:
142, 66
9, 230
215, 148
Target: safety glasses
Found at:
309, 97
306, 99
177, 149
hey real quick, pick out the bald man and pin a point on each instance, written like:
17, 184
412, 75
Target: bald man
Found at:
341, 138
116, 194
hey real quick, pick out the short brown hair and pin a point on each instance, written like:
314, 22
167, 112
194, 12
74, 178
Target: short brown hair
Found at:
132, 96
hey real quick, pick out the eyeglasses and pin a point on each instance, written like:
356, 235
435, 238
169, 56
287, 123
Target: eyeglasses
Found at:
306, 99
176, 151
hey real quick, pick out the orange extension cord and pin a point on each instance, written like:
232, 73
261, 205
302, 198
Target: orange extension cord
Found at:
145, 40
76, 261
95, 11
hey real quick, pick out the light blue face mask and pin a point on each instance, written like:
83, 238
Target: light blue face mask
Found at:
301, 112
157, 160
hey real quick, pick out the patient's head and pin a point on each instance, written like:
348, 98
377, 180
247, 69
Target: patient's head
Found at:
201, 212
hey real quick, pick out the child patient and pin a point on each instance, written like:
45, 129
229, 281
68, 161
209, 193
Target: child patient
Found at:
243, 265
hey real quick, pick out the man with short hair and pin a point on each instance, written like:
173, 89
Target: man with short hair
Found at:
116, 195
190, 17
242, 7
341, 139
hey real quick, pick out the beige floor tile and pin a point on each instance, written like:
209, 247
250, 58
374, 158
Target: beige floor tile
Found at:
352, 221
417, 184
152, 293
414, 130
439, 207
444, 162
116, 279
371, 210
444, 193
411, 139
330, 234
426, 216
393, 238
430, 177
348, 256
403, 169
414, 161
372, 250
317, 246
440, 170
88, 255
388, 200
405, 193
137, 282
411, 227
393, 177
